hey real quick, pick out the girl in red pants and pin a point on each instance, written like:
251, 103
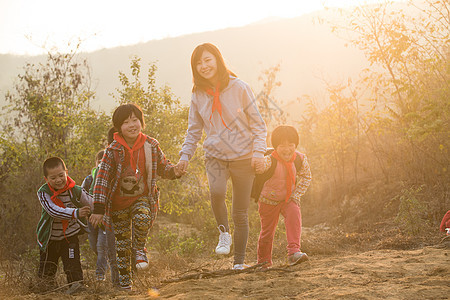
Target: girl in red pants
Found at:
278, 192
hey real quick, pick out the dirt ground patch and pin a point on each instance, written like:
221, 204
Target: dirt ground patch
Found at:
374, 265
390, 274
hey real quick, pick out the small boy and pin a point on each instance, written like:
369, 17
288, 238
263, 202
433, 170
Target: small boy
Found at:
125, 191
101, 241
65, 207
277, 191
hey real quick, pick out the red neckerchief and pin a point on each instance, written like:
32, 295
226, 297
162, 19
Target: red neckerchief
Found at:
216, 103
69, 184
138, 144
290, 176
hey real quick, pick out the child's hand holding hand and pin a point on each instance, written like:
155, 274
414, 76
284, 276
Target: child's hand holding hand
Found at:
84, 211
181, 168
95, 219
258, 164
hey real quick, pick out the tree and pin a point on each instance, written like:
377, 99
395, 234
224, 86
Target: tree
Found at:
412, 46
48, 113
405, 128
268, 106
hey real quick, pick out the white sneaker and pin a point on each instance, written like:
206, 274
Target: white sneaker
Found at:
141, 259
240, 266
297, 257
224, 245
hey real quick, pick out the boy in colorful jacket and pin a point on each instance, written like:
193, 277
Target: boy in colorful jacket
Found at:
278, 188
125, 191
65, 207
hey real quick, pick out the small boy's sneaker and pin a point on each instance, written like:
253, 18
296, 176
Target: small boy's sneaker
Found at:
75, 288
141, 259
224, 245
240, 267
127, 289
297, 257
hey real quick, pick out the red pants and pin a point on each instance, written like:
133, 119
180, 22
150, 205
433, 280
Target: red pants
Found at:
269, 215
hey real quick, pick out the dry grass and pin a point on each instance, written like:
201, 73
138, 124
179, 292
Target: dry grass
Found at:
18, 278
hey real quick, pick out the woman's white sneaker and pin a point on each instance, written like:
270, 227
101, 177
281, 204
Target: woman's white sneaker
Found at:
240, 267
224, 245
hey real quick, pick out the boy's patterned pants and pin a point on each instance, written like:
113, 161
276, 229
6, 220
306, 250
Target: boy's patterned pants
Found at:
136, 218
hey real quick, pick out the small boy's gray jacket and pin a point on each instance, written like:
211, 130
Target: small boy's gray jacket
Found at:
246, 136
50, 211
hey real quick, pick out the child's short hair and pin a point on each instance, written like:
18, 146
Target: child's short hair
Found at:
284, 133
111, 132
51, 163
99, 155
124, 111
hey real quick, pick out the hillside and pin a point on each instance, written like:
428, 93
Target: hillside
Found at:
306, 50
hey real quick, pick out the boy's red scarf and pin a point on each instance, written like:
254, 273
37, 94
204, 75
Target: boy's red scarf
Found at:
69, 184
216, 103
290, 176
138, 144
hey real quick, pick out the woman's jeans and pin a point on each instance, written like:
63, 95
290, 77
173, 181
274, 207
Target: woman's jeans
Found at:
242, 175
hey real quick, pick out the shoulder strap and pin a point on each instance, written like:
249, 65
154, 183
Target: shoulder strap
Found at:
93, 176
260, 179
76, 195
298, 161
77, 191
44, 188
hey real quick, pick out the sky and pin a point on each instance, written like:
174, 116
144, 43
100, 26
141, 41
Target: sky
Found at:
30, 27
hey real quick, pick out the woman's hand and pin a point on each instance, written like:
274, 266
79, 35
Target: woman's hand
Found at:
181, 167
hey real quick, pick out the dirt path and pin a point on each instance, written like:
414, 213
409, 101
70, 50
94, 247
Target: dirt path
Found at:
389, 274
380, 274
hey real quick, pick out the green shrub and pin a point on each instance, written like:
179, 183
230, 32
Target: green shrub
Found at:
412, 211
167, 241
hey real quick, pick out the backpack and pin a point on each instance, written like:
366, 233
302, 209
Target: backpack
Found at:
260, 179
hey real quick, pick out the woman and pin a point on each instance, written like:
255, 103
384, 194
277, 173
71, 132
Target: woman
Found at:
224, 107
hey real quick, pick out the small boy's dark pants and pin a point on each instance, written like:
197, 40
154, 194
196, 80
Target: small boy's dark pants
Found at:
69, 251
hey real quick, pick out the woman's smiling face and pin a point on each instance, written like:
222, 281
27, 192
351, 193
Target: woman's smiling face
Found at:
207, 67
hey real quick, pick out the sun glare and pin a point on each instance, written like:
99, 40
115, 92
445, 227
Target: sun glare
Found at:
103, 24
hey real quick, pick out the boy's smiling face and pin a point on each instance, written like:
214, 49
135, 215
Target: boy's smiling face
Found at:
57, 177
286, 150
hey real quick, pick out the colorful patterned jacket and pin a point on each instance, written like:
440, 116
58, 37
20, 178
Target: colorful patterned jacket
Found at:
109, 172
